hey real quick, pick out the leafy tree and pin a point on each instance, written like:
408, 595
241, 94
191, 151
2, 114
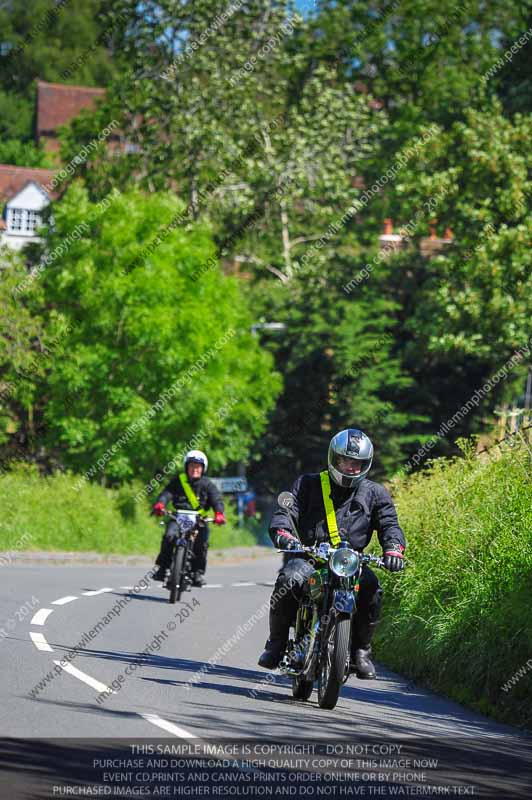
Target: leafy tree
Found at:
16, 116
139, 324
275, 152
465, 311
63, 42
23, 342
512, 81
23, 154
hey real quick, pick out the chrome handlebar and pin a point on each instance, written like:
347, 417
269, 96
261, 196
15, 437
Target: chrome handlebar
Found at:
324, 551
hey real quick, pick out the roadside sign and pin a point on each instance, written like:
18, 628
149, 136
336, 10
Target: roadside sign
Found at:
231, 485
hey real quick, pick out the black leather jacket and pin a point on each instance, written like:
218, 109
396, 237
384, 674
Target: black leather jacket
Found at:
359, 511
204, 489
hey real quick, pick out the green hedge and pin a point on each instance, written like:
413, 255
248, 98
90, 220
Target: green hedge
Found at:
459, 618
39, 513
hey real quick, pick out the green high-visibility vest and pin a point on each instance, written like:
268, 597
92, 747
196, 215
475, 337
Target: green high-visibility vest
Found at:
332, 525
191, 497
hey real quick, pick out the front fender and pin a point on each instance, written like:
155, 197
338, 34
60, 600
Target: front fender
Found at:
344, 601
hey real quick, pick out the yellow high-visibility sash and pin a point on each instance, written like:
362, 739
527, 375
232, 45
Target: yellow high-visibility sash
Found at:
332, 525
191, 497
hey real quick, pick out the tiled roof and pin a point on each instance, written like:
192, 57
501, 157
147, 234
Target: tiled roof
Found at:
58, 103
13, 179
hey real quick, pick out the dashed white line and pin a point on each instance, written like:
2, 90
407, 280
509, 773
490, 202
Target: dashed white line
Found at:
168, 726
40, 642
82, 676
129, 588
213, 586
96, 591
243, 583
41, 616
63, 600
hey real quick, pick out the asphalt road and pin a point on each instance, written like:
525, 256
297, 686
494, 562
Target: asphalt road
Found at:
199, 677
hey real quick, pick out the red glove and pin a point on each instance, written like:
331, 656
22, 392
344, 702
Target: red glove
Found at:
285, 540
219, 518
393, 558
158, 509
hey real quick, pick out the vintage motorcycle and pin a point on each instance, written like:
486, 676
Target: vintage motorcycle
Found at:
180, 578
321, 646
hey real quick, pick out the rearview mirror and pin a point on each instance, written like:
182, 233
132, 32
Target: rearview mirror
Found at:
286, 500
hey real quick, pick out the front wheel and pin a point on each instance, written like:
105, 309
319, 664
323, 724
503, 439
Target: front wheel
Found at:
301, 688
176, 577
333, 660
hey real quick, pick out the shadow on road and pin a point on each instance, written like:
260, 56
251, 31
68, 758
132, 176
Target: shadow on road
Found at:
57, 767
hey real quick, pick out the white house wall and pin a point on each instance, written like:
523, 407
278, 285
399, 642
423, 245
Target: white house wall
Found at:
15, 241
31, 198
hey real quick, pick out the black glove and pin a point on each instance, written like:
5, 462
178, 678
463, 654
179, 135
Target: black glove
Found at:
285, 540
393, 557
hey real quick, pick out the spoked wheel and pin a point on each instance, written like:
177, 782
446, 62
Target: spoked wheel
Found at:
175, 581
301, 688
333, 660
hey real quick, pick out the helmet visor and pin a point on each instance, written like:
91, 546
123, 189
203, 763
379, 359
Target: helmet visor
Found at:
348, 466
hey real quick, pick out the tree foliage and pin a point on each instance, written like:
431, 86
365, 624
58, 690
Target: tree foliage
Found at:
269, 125
63, 42
153, 357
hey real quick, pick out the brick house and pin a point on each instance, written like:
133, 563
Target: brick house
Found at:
58, 104
24, 194
26, 191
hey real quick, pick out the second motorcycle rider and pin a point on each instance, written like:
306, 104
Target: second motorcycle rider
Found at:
189, 490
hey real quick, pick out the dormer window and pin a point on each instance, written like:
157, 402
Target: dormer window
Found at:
32, 221
23, 214
23, 221
14, 221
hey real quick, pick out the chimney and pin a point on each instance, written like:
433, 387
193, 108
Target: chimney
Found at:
389, 241
432, 229
448, 235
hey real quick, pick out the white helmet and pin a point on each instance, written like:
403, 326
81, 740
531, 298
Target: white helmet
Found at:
196, 455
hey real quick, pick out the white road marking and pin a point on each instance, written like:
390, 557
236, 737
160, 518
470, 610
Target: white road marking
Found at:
40, 642
41, 616
168, 726
243, 583
142, 588
82, 676
96, 591
213, 586
63, 600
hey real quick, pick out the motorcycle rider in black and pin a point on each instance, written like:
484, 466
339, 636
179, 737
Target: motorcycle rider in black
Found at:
361, 506
189, 490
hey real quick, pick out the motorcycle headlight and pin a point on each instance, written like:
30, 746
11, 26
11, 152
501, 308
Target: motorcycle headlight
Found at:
344, 562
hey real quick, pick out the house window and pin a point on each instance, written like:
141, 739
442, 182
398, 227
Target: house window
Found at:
15, 220
31, 222
23, 221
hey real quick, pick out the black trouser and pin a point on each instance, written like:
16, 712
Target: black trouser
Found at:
199, 549
289, 588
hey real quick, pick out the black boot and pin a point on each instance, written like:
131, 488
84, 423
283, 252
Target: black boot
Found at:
360, 662
276, 644
198, 579
159, 575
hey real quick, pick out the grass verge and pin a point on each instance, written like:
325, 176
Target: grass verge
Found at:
39, 513
458, 619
